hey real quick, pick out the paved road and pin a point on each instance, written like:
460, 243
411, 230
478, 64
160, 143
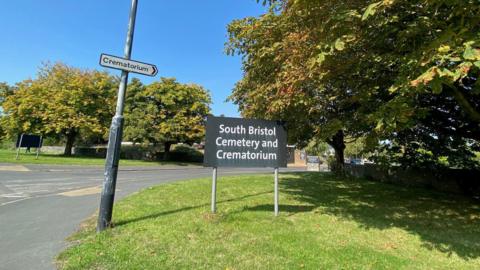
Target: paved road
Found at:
40, 205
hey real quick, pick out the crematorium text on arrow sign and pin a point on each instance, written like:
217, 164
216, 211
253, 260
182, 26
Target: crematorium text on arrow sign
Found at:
115, 62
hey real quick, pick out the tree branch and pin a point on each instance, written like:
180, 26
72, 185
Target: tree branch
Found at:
465, 104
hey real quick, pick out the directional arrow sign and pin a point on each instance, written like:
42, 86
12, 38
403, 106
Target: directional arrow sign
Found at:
115, 62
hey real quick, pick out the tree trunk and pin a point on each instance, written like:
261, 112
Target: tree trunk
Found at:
337, 142
71, 135
166, 154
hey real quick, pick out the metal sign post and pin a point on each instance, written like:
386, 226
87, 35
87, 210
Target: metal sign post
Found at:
38, 148
19, 146
115, 137
214, 190
276, 191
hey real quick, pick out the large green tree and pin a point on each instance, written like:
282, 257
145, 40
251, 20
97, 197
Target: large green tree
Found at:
5, 90
166, 112
281, 55
62, 101
363, 68
433, 49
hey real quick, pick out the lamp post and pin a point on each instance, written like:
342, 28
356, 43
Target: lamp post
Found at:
115, 137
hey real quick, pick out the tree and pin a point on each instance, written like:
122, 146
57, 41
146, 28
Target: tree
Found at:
444, 136
441, 46
355, 148
316, 147
283, 79
431, 48
354, 69
166, 112
62, 101
437, 80
5, 91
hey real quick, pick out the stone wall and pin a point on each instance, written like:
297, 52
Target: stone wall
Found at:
52, 149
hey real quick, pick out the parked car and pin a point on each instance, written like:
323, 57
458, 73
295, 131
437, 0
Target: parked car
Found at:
356, 161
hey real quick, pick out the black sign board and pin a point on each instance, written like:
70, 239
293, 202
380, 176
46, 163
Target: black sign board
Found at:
237, 142
26, 140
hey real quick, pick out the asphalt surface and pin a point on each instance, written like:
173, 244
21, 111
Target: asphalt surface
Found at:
41, 205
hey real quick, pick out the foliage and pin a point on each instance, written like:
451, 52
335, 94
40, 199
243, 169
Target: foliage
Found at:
166, 112
5, 90
316, 148
324, 223
443, 137
364, 69
62, 101
435, 80
355, 147
283, 78
185, 153
180, 153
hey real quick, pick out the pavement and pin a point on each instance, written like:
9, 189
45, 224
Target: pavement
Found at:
41, 205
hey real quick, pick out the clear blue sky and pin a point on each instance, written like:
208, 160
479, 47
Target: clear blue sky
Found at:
184, 38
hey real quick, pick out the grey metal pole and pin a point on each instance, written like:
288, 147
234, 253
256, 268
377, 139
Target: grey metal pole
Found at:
115, 137
276, 192
19, 146
38, 147
214, 190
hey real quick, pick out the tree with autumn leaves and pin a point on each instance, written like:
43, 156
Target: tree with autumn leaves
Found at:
62, 102
166, 112
400, 74
72, 105
5, 90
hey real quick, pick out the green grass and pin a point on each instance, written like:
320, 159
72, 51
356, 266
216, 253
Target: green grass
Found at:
325, 223
8, 156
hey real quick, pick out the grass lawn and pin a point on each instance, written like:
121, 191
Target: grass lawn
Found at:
8, 156
324, 223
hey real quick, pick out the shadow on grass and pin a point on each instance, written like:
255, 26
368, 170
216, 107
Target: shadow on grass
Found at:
448, 223
169, 212
282, 208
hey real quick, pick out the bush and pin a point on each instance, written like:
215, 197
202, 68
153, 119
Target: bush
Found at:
7, 144
135, 152
184, 153
181, 153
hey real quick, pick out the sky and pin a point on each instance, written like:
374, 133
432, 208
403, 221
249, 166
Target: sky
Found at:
183, 38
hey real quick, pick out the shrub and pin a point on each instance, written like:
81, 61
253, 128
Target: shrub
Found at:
185, 153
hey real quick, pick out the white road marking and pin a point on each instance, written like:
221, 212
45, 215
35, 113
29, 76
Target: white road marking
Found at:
14, 195
14, 201
14, 168
82, 192
29, 180
41, 184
